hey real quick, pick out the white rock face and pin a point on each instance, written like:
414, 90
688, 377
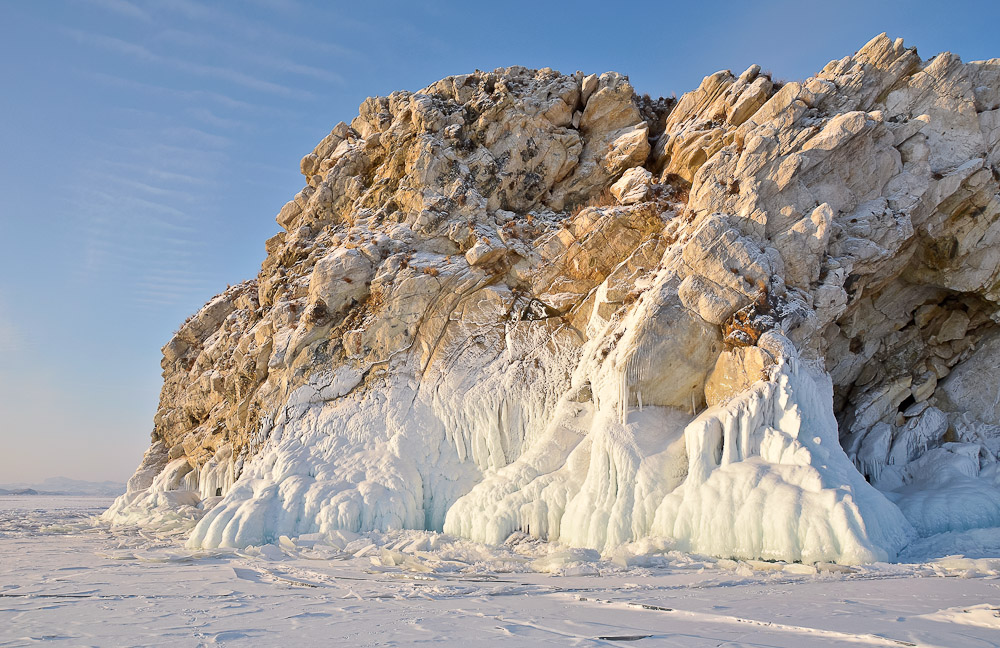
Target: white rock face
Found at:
519, 301
633, 186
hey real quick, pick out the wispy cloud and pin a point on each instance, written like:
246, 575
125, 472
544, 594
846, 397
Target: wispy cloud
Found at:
267, 34
188, 9
268, 60
130, 166
158, 282
196, 137
145, 206
279, 6
132, 246
188, 95
123, 8
142, 152
127, 252
110, 179
208, 117
297, 42
164, 293
140, 260
138, 209
140, 52
154, 286
171, 176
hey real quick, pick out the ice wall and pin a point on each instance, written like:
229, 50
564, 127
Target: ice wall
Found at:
761, 476
395, 455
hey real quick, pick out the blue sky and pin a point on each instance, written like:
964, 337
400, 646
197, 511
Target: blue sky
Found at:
145, 148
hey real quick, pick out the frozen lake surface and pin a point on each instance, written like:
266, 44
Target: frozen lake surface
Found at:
67, 581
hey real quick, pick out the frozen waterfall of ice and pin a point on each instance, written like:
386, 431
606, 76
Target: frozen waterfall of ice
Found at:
762, 475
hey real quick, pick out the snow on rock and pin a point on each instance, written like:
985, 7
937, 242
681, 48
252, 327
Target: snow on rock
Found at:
522, 302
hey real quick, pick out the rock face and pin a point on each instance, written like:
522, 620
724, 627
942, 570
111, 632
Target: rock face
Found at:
761, 321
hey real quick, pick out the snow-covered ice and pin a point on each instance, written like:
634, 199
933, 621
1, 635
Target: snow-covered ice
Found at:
69, 579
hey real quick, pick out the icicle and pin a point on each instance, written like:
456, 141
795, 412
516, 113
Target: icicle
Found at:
623, 395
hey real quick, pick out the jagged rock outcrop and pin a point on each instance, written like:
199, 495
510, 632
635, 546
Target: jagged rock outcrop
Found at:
761, 321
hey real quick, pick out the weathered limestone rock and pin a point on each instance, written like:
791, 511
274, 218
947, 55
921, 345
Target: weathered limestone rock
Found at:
735, 371
340, 279
633, 186
521, 268
803, 247
973, 386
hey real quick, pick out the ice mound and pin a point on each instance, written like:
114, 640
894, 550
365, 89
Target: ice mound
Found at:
170, 503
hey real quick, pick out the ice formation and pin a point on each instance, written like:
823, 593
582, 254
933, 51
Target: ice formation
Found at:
762, 476
759, 322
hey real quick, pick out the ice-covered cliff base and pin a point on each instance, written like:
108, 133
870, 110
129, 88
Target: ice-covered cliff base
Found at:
762, 476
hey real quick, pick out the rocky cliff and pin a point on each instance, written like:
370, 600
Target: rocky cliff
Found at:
760, 321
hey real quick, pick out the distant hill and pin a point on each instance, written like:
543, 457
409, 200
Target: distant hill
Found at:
64, 486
